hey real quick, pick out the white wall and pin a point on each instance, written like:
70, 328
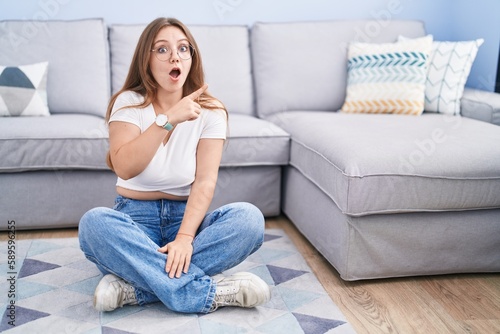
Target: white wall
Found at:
445, 19
215, 11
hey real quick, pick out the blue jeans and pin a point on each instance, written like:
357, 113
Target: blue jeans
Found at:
124, 241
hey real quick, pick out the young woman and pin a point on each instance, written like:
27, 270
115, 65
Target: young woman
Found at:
166, 136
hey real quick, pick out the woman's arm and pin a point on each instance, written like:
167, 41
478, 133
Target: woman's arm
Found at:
131, 151
209, 154
208, 157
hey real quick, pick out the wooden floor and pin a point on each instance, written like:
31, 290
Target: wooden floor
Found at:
435, 304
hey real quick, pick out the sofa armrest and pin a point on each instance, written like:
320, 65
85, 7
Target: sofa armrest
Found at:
481, 105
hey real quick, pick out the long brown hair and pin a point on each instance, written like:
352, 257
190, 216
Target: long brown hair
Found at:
140, 79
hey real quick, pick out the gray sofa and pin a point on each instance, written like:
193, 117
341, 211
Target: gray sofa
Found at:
343, 179
349, 187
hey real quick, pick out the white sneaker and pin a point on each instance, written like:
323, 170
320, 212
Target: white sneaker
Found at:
112, 292
241, 290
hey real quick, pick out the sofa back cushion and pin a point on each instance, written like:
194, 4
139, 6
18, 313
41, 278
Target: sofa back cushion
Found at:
303, 65
77, 56
226, 61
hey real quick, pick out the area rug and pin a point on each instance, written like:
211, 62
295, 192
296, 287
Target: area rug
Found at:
47, 287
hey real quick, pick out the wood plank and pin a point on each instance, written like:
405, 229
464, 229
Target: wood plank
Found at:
42, 234
464, 297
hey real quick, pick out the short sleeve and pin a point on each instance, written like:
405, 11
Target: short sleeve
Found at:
215, 126
122, 112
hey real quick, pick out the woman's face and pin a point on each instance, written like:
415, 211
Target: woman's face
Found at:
169, 68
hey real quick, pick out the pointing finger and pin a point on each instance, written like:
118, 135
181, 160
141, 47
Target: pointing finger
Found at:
196, 94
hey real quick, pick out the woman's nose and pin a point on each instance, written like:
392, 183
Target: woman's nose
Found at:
174, 57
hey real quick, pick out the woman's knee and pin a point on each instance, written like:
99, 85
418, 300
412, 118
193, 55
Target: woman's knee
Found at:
97, 228
251, 223
253, 212
94, 220
249, 217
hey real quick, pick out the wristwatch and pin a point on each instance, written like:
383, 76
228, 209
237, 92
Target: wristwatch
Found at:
162, 120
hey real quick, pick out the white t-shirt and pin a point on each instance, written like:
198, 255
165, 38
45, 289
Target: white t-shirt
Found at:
173, 166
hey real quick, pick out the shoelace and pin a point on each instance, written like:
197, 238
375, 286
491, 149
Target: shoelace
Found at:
228, 298
224, 299
128, 294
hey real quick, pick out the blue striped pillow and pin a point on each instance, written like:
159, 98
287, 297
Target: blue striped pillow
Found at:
387, 77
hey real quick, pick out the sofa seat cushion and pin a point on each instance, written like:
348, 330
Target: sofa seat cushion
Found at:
372, 164
81, 142
60, 141
255, 142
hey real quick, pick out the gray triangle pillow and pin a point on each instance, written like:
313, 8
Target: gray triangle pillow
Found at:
23, 90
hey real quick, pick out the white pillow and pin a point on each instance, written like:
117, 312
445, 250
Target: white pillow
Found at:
449, 67
23, 90
387, 77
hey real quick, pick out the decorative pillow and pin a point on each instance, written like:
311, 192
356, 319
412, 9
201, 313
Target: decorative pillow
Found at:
388, 77
449, 67
23, 90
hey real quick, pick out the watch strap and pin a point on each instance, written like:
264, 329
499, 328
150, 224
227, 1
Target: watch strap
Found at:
168, 126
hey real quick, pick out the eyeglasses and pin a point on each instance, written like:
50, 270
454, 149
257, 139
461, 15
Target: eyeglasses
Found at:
163, 53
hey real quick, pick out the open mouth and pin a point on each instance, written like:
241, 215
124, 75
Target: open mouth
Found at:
175, 73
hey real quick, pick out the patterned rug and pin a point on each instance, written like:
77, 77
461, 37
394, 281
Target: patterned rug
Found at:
49, 287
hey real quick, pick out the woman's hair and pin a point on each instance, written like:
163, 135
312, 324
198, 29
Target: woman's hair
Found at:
140, 79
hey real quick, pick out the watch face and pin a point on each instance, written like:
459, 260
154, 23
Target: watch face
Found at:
161, 120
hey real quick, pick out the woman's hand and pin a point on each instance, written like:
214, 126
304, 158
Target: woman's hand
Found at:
179, 254
186, 109
132, 150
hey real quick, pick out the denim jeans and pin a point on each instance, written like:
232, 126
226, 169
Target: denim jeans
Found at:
124, 241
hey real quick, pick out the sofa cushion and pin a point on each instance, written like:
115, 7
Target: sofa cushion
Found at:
381, 163
60, 141
23, 90
387, 78
449, 68
288, 78
255, 142
226, 61
81, 142
78, 77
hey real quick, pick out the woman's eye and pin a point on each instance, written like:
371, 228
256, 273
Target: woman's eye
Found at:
184, 48
162, 49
